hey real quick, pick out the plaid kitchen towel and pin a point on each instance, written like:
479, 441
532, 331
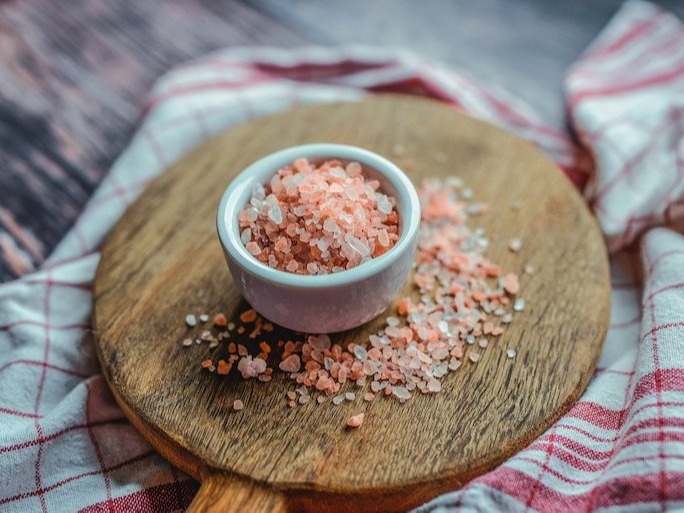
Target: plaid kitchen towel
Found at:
65, 446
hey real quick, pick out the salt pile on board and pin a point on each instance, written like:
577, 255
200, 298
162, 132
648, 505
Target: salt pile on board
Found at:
320, 219
463, 303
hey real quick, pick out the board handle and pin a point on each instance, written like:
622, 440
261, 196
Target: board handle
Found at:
228, 494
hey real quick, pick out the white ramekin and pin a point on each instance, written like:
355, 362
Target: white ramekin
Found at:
320, 303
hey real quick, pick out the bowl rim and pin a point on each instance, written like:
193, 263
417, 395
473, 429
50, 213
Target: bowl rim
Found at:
232, 244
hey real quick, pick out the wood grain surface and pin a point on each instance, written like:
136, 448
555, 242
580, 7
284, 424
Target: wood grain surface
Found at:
75, 76
163, 260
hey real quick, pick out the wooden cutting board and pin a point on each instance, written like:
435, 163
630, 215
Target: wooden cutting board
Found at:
163, 260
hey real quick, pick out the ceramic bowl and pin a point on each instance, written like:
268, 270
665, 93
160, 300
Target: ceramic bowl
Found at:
321, 303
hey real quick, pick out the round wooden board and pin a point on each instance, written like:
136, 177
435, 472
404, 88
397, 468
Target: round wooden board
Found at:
163, 260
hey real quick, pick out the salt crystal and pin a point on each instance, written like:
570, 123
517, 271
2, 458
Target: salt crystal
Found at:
350, 396
238, 405
506, 319
358, 246
515, 244
191, 320
355, 421
384, 204
258, 191
519, 304
434, 385
337, 400
392, 321
454, 364
204, 317
440, 354
187, 342
275, 214
253, 248
474, 357
511, 353
246, 235
528, 269
290, 364
360, 352
401, 393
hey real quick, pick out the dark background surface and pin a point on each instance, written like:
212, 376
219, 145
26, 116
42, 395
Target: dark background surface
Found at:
74, 75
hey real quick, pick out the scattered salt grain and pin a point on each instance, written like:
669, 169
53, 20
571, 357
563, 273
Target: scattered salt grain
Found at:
511, 353
464, 299
355, 421
519, 305
190, 320
515, 244
290, 364
187, 342
204, 317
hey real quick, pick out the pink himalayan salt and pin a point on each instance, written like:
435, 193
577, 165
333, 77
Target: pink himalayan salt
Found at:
251, 368
311, 219
460, 294
355, 421
290, 364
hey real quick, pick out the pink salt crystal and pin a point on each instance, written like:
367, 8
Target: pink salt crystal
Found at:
253, 248
238, 405
281, 245
251, 368
259, 365
355, 421
434, 385
290, 364
511, 283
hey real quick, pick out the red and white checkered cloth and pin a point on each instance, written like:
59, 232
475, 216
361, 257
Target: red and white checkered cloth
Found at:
65, 446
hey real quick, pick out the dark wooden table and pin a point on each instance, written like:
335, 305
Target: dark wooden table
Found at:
72, 77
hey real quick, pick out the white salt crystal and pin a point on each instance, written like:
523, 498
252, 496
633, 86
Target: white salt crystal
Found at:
401, 393
275, 214
246, 235
360, 352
